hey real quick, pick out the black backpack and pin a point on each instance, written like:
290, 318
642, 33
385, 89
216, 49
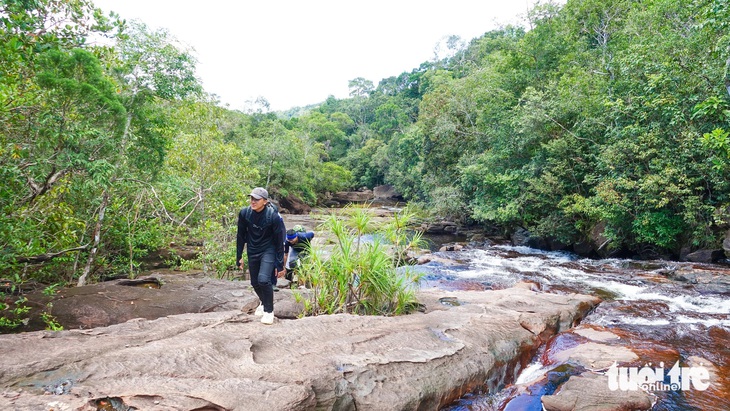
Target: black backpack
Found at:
271, 212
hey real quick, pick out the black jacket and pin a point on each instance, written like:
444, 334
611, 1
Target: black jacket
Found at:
260, 231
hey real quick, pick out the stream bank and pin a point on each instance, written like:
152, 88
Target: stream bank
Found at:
222, 359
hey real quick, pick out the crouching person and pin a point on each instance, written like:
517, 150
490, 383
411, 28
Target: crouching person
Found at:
296, 247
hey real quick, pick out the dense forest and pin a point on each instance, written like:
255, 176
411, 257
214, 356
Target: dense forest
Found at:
607, 115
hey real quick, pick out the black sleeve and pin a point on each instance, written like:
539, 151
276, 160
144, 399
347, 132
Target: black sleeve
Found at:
279, 238
241, 234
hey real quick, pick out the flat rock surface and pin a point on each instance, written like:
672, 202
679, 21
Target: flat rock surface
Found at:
589, 392
596, 356
222, 358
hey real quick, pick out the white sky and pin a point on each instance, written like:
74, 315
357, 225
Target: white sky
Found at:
299, 52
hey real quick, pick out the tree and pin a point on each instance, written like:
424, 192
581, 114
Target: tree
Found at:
151, 65
73, 135
360, 87
205, 180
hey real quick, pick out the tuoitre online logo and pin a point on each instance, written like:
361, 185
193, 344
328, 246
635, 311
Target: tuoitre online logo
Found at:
655, 379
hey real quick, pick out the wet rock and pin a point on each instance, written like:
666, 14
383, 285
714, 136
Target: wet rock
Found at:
526, 395
600, 243
424, 259
528, 285
229, 360
717, 381
440, 227
345, 197
706, 256
556, 245
705, 279
596, 335
522, 237
584, 249
452, 247
431, 258
293, 205
595, 356
386, 193
590, 392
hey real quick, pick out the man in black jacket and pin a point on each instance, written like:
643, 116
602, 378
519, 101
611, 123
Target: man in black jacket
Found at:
259, 229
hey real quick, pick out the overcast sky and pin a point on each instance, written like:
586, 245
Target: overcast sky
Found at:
299, 52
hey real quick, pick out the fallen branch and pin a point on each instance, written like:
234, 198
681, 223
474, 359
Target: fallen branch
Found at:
41, 258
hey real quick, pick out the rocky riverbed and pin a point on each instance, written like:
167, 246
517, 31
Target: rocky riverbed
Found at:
185, 341
219, 357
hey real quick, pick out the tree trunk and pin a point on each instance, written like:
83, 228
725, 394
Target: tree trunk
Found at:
97, 239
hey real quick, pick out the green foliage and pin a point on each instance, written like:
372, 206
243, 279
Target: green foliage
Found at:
12, 313
153, 63
593, 115
217, 254
50, 321
719, 143
603, 112
365, 164
129, 235
330, 130
361, 276
400, 237
658, 228
13, 308
62, 150
331, 177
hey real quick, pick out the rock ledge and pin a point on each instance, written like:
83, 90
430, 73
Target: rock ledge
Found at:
228, 360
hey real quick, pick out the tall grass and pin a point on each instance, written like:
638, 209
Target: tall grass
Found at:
358, 275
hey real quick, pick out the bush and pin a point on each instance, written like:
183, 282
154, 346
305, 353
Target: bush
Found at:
361, 273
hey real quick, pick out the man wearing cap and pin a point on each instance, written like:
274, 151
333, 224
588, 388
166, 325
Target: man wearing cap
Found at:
259, 229
296, 246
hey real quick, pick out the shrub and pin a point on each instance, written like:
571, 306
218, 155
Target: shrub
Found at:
361, 273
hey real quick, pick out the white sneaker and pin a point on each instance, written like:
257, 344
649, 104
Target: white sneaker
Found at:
267, 318
259, 310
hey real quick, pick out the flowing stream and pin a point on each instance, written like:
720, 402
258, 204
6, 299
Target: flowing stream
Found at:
664, 311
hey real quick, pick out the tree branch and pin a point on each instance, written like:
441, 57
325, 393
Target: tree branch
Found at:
51, 179
48, 256
154, 192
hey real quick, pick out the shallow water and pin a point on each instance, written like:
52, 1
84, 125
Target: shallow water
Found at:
663, 310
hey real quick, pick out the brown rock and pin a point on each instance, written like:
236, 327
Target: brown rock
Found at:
596, 335
294, 205
600, 243
705, 256
596, 356
229, 360
386, 193
590, 392
113, 302
344, 197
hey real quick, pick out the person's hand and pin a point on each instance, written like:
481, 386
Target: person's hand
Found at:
281, 273
240, 264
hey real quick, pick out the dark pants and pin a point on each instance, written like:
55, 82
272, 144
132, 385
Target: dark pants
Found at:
274, 277
261, 266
